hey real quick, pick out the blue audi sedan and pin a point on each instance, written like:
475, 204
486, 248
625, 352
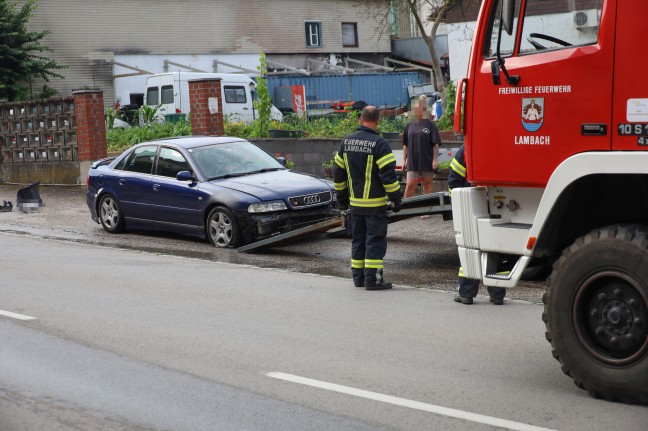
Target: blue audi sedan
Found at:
225, 189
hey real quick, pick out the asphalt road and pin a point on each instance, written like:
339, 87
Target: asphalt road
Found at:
127, 340
421, 253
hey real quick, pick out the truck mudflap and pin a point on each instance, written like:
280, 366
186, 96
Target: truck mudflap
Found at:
433, 203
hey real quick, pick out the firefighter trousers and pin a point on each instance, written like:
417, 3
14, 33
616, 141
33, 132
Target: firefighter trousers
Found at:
468, 288
368, 246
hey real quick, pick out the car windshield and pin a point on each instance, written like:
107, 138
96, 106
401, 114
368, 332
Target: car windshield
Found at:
233, 159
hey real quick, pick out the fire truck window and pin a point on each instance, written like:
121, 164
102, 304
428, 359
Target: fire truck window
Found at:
508, 41
559, 24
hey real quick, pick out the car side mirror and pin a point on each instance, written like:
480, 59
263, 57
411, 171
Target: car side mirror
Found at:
282, 160
185, 176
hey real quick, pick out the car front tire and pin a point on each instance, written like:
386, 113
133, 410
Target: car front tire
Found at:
110, 214
222, 228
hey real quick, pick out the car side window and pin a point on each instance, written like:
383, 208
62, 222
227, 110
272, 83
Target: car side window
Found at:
170, 162
119, 166
141, 160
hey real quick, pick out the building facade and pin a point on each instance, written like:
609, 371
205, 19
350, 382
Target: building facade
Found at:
113, 44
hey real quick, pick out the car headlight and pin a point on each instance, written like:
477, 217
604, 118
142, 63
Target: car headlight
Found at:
265, 207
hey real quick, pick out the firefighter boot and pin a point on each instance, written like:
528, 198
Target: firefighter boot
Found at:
358, 276
374, 280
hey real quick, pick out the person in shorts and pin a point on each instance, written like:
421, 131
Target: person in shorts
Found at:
421, 142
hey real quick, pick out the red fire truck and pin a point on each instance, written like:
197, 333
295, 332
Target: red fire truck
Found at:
554, 111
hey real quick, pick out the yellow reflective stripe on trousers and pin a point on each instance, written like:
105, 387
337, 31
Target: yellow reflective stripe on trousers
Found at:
357, 263
350, 182
339, 160
340, 186
374, 263
390, 188
384, 160
368, 170
461, 272
375, 202
458, 167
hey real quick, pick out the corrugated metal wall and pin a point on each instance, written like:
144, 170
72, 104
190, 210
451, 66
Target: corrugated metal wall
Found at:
382, 90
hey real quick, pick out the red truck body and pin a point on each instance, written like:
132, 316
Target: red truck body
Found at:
580, 85
554, 111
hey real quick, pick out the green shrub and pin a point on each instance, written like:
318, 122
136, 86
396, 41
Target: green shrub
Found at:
446, 122
119, 139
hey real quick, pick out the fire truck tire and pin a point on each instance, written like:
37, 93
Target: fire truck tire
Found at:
596, 313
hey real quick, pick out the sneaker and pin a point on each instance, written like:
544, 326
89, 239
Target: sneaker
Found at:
497, 301
459, 298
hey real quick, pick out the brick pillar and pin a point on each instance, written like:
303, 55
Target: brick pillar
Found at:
202, 94
90, 124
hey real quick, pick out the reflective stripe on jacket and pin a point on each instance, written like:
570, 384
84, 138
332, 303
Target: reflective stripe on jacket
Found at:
365, 172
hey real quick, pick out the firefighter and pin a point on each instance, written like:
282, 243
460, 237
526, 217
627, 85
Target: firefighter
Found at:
468, 287
365, 180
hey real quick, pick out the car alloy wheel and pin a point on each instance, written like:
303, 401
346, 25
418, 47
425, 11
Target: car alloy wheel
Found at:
110, 214
222, 228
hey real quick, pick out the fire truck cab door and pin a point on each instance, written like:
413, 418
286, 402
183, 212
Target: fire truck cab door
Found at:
630, 117
562, 104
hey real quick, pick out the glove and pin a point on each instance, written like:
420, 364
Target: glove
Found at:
343, 204
397, 205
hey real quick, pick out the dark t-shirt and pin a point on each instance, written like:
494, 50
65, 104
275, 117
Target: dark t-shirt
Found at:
419, 138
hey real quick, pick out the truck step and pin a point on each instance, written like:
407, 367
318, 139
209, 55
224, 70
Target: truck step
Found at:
500, 275
514, 225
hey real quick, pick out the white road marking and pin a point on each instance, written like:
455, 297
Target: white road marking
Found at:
16, 315
444, 411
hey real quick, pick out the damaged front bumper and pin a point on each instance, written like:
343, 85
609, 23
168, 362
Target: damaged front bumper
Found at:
255, 227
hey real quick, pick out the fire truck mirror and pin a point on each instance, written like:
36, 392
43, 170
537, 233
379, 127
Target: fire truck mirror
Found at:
507, 15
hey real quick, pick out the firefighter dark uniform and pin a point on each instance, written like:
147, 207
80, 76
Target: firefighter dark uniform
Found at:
365, 179
468, 287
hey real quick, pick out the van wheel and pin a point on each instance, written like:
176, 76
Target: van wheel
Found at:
596, 313
222, 228
110, 214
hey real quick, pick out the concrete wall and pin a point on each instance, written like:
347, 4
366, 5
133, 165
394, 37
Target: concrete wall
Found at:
307, 154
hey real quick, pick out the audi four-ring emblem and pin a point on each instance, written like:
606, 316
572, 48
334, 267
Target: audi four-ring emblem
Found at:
312, 199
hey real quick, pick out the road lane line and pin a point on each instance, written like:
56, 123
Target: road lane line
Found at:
16, 315
403, 402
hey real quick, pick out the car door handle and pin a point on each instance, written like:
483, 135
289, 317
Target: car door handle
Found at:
156, 187
122, 182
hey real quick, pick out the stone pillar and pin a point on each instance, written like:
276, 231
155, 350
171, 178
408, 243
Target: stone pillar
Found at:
206, 107
91, 129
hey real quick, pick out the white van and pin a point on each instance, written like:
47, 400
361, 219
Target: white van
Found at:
171, 91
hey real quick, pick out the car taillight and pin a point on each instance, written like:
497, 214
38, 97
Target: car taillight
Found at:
88, 182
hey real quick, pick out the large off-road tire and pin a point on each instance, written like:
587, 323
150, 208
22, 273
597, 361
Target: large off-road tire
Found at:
596, 313
110, 214
222, 228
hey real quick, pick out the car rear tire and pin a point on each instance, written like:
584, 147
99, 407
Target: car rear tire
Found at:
596, 309
110, 214
222, 228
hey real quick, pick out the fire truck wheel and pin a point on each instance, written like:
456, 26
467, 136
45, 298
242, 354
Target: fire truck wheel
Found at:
596, 313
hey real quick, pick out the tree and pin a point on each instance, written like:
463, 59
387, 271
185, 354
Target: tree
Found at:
20, 59
385, 11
